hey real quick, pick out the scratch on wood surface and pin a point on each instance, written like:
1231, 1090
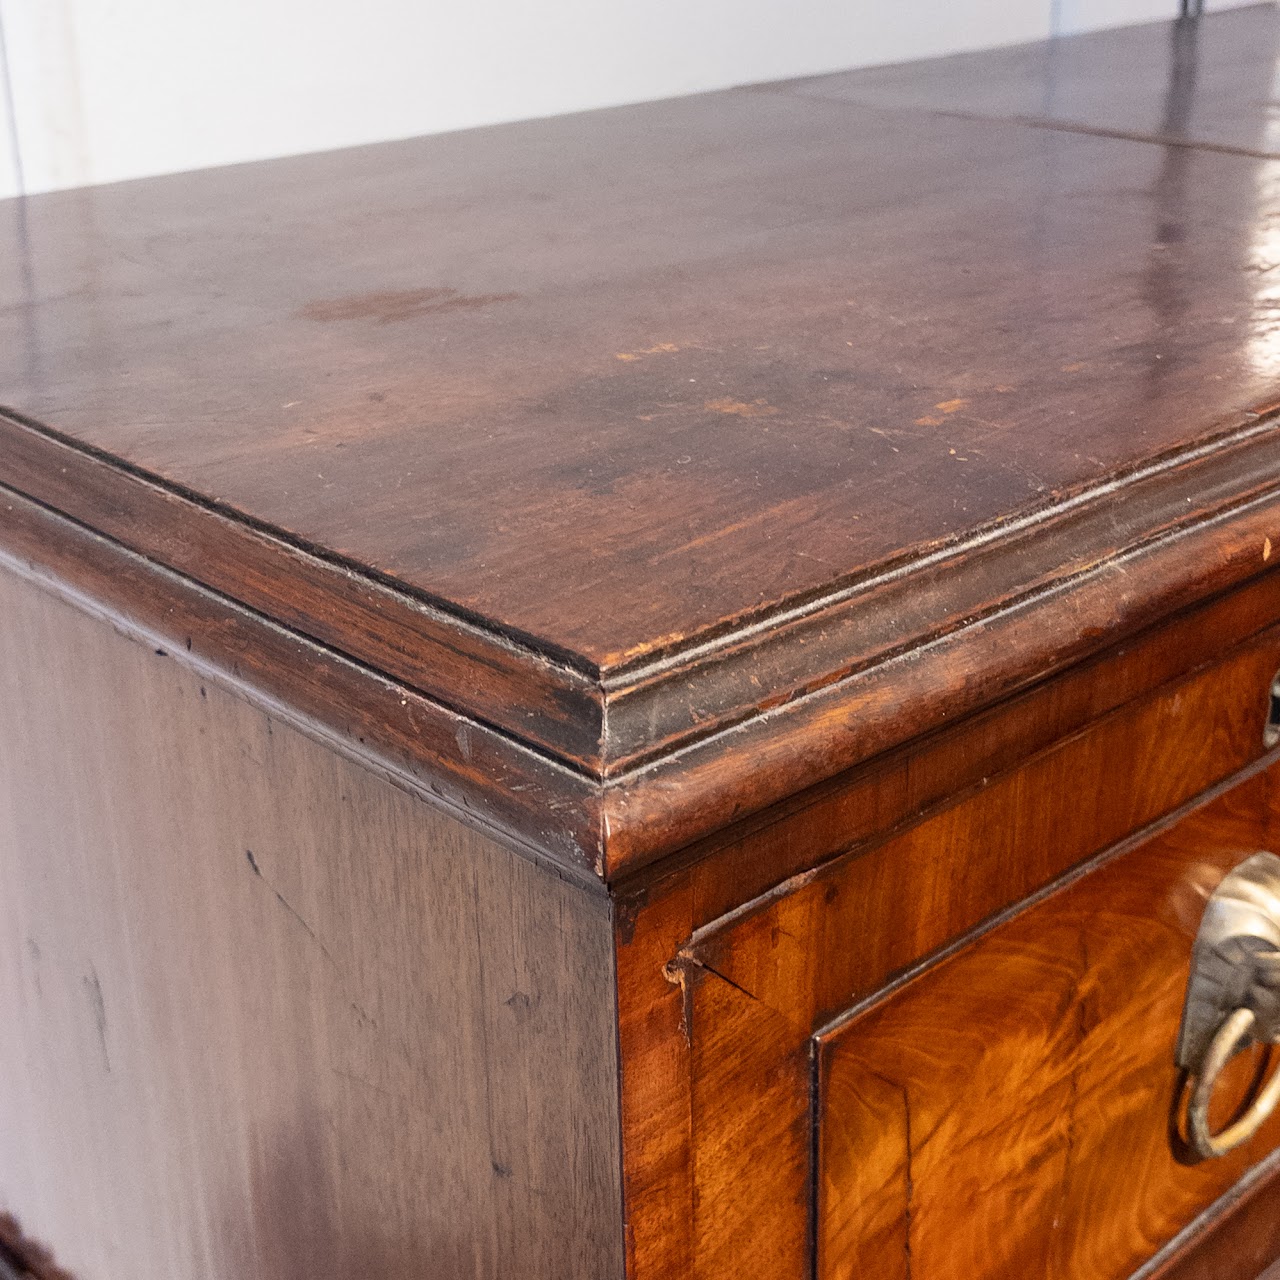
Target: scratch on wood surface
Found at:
675, 973
388, 306
737, 986
98, 1006
288, 906
366, 1083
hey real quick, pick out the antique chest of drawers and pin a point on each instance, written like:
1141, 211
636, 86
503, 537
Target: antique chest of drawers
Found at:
684, 691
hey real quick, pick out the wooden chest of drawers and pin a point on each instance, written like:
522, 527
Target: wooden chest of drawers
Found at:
686, 691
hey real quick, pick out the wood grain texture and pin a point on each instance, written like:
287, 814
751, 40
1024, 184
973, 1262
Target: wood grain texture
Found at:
814, 387
432, 376
1235, 1238
487, 779
810, 518
811, 828
657, 916
268, 1016
1007, 1113
762, 980
1009, 835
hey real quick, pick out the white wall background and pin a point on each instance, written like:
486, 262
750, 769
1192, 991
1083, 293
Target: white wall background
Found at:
99, 90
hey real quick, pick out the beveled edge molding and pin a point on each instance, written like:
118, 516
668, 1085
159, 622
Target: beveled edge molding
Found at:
785, 703
919, 600
694, 792
530, 695
481, 777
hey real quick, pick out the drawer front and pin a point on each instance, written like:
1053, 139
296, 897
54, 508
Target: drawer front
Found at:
761, 984
1016, 1110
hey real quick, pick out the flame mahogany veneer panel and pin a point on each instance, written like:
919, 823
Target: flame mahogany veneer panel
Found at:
1007, 1113
760, 982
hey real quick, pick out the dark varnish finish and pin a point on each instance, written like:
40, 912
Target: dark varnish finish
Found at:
1181, 84
617, 432
746, 401
626, 625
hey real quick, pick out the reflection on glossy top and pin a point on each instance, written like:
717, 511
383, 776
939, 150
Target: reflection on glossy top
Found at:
1210, 83
613, 379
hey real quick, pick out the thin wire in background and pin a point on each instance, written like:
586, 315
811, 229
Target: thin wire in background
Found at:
11, 110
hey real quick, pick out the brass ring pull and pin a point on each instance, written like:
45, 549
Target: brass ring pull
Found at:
1238, 1028
1233, 999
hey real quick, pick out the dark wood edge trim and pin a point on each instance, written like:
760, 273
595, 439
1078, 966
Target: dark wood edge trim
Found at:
694, 792
534, 804
794, 653
533, 801
1180, 553
506, 684
817, 1161
616, 723
990, 742
1233, 1239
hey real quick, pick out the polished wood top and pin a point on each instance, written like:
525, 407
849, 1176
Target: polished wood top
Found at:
617, 430
1207, 84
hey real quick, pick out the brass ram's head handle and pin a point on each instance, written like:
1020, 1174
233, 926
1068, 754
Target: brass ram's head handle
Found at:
1233, 998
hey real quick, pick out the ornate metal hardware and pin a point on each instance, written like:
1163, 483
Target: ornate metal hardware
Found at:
1233, 998
1271, 730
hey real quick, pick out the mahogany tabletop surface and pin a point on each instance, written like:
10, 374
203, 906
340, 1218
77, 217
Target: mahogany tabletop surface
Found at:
620, 385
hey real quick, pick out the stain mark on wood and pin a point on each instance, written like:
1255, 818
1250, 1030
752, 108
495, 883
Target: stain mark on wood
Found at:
389, 306
741, 408
661, 348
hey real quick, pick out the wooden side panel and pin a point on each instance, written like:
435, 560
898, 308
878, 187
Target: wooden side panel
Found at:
266, 1016
654, 1096
1008, 1113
